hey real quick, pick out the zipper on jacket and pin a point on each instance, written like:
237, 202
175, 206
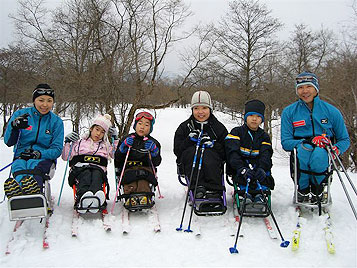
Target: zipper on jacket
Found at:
38, 131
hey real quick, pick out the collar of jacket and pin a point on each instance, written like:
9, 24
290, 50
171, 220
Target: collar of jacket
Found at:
258, 132
37, 113
316, 101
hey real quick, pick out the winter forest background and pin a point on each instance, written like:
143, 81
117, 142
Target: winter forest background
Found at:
108, 56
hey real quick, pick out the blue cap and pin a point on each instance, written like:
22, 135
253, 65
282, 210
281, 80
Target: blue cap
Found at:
307, 78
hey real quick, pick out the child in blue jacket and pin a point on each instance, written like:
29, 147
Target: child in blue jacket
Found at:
249, 151
309, 125
37, 136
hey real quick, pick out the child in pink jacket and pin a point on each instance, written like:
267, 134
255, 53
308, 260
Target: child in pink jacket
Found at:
88, 161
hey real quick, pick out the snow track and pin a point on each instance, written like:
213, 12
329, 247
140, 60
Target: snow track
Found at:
94, 247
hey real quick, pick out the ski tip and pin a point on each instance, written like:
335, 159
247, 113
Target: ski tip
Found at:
233, 250
284, 244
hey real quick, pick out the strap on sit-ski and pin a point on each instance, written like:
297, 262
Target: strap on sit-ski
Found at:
90, 159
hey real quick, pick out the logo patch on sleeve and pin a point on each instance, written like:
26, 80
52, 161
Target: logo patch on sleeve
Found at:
299, 123
324, 121
48, 131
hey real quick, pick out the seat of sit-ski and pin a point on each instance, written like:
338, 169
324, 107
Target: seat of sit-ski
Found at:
212, 202
210, 206
138, 201
255, 205
32, 206
90, 202
325, 199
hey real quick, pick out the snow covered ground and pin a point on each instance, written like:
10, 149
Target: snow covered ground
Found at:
142, 247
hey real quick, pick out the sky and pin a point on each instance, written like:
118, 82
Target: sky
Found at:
331, 14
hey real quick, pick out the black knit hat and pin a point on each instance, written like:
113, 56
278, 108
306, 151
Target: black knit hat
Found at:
43, 89
254, 107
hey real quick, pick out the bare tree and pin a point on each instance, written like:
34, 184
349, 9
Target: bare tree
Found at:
308, 50
245, 37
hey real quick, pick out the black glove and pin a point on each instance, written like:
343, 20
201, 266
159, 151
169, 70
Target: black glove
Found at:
206, 141
20, 122
194, 134
71, 137
30, 154
260, 174
246, 173
113, 132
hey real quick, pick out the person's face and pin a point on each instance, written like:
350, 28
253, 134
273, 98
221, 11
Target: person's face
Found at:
307, 93
97, 133
254, 121
143, 127
201, 113
43, 104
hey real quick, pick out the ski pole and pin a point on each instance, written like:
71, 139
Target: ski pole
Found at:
7, 166
65, 171
195, 190
153, 170
190, 179
284, 243
342, 183
234, 248
120, 179
17, 143
343, 168
113, 145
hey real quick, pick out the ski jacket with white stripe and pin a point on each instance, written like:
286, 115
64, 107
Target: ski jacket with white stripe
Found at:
44, 134
244, 147
299, 122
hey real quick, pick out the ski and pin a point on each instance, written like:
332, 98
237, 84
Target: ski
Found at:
16, 227
328, 233
104, 217
236, 217
125, 222
154, 218
45, 243
75, 220
295, 242
197, 226
106, 221
270, 229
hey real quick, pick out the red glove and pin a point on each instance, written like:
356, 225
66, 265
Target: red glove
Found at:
321, 141
336, 150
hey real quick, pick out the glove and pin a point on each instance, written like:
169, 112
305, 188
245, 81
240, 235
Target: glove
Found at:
124, 146
194, 134
71, 137
113, 132
151, 146
260, 174
20, 122
206, 141
246, 173
30, 154
320, 141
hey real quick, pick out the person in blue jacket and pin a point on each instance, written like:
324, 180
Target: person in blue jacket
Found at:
37, 136
309, 125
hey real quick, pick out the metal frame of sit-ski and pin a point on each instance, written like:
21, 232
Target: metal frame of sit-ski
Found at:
326, 190
218, 203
